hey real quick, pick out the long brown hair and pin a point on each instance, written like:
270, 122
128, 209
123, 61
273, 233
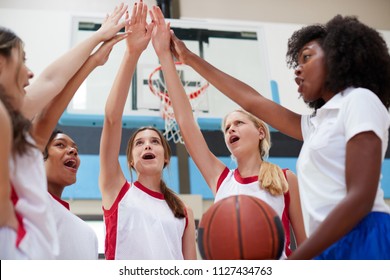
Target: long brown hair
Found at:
271, 176
20, 125
173, 201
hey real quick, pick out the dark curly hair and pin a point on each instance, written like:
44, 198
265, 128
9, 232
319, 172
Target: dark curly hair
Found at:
356, 56
46, 150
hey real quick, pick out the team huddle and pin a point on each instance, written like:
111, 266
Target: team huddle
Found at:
334, 207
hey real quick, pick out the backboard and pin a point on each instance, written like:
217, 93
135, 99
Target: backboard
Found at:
237, 48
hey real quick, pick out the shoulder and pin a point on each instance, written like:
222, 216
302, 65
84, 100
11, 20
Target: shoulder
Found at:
292, 179
288, 173
189, 211
362, 97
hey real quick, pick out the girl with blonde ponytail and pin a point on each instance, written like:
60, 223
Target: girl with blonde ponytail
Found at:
247, 138
271, 176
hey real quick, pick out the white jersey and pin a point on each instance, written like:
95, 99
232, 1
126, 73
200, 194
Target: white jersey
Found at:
8, 245
77, 239
37, 238
231, 183
140, 225
321, 162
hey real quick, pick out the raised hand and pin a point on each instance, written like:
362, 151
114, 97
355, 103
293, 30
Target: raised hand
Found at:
161, 36
101, 55
139, 31
112, 24
179, 49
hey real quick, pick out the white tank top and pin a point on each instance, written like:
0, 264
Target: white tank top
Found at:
28, 178
231, 183
77, 239
140, 225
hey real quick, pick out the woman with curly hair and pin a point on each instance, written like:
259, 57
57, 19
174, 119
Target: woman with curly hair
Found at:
342, 71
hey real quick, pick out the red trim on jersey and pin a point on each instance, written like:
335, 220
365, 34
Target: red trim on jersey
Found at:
111, 218
185, 213
286, 218
246, 180
222, 177
21, 232
63, 202
157, 195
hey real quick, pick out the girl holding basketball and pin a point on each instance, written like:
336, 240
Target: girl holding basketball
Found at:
247, 138
342, 71
35, 234
144, 219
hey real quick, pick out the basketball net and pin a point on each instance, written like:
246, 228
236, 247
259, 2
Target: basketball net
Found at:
194, 86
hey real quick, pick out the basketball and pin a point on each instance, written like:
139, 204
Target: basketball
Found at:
240, 227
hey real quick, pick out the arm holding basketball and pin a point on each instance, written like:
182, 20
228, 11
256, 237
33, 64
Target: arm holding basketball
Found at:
189, 246
247, 97
54, 78
295, 210
209, 165
46, 121
111, 177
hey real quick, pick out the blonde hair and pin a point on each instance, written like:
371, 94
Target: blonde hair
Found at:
271, 177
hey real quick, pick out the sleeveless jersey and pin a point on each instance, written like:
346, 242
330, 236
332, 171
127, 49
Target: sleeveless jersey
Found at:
140, 225
231, 183
77, 239
37, 237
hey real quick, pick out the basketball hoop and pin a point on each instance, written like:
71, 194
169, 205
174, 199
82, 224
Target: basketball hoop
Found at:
194, 85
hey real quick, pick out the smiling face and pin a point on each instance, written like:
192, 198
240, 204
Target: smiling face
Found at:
311, 73
242, 136
148, 152
62, 161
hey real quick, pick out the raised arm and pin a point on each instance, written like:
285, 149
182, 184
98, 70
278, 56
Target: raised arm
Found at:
54, 78
7, 213
111, 177
209, 165
46, 121
248, 98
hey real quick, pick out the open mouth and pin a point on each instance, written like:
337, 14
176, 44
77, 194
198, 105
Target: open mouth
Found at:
72, 163
148, 156
233, 139
299, 82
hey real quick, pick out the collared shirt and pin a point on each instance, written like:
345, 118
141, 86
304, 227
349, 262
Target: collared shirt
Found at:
321, 162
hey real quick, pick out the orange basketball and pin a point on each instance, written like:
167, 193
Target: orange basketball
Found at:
240, 227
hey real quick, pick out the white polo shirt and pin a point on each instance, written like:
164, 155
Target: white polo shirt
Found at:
321, 162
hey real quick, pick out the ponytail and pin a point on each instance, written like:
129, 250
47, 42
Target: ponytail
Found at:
173, 201
272, 179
